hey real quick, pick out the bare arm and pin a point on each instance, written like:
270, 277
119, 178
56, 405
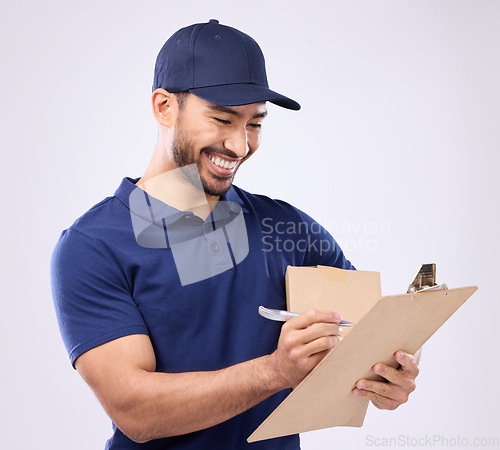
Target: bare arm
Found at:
147, 405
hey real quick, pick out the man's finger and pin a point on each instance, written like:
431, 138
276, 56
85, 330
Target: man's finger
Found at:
383, 389
320, 345
319, 330
408, 363
389, 373
396, 377
311, 316
378, 400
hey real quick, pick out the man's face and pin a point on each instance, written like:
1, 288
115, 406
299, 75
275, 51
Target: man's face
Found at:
218, 139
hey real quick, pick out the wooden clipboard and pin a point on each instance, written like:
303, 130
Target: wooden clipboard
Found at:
397, 322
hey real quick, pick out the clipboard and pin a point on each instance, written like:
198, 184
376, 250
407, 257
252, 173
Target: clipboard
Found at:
397, 322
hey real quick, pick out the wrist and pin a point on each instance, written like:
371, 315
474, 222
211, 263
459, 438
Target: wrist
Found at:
271, 375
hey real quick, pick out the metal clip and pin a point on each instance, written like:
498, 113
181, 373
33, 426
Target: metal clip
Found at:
425, 280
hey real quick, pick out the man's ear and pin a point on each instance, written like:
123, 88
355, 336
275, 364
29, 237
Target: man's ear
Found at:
165, 107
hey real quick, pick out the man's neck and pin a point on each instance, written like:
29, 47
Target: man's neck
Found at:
174, 190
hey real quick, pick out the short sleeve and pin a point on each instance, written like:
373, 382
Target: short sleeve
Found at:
92, 300
322, 249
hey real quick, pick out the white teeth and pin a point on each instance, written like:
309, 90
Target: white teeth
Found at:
224, 164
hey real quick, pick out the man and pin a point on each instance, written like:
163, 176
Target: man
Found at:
156, 289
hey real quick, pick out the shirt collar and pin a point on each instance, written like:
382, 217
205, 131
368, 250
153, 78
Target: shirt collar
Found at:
153, 210
232, 197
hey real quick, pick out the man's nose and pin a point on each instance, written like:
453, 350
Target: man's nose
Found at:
237, 142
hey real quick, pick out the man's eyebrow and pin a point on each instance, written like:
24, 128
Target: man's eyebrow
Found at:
262, 114
229, 110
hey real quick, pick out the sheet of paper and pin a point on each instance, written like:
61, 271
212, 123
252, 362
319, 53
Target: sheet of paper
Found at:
349, 292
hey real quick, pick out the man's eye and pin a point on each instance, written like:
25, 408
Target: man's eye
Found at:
225, 122
255, 125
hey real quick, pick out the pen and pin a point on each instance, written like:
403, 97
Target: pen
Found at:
282, 316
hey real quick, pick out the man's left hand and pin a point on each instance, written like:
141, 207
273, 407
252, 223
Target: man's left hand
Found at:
399, 385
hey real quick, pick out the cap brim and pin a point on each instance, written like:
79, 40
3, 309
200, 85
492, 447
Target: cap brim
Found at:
243, 94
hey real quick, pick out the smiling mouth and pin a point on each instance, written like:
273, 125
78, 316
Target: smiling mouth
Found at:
222, 164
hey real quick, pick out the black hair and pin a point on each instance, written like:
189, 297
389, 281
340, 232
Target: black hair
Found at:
181, 97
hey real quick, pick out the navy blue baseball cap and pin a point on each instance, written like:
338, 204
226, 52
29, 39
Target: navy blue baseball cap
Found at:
217, 63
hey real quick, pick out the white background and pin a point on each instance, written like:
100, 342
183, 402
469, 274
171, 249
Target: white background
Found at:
395, 150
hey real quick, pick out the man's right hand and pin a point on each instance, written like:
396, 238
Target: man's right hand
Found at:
304, 341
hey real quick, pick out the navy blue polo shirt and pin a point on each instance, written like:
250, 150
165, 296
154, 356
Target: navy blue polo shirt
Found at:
124, 268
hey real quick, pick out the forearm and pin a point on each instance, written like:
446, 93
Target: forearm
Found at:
161, 404
145, 404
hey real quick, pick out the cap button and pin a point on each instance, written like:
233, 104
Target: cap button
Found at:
213, 21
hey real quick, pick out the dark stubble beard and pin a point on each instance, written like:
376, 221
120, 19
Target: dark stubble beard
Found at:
183, 155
